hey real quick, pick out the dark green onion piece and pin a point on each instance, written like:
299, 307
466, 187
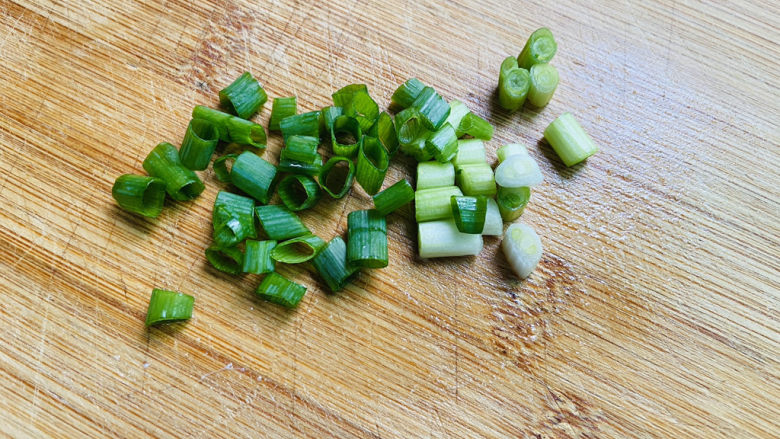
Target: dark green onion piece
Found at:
475, 126
297, 167
513, 86
433, 108
458, 110
406, 93
372, 164
221, 170
442, 144
139, 194
367, 239
278, 289
417, 149
392, 198
301, 149
181, 183
298, 192
297, 250
540, 48
257, 256
305, 124
544, 81
409, 126
469, 213
328, 115
232, 129
334, 178
227, 259
357, 103
279, 223
331, 264
512, 202
345, 135
198, 145
476, 179
384, 130
168, 306
253, 175
282, 108
232, 219
243, 97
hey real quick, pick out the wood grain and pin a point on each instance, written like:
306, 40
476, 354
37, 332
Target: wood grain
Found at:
654, 312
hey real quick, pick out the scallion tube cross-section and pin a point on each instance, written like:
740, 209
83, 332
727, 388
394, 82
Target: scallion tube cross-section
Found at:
232, 129
227, 259
181, 183
168, 306
569, 140
367, 239
233, 219
278, 289
336, 176
372, 164
297, 250
438, 239
331, 263
253, 175
244, 96
279, 223
298, 192
522, 248
540, 48
139, 194
198, 145
392, 198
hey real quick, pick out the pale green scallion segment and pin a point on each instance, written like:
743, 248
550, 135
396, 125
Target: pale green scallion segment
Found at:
278, 289
392, 198
434, 204
139, 194
438, 239
458, 110
281, 109
512, 201
494, 224
435, 174
181, 183
569, 140
279, 223
476, 179
257, 257
367, 239
544, 81
470, 151
540, 48
198, 145
331, 263
297, 250
513, 87
168, 306
243, 97
509, 150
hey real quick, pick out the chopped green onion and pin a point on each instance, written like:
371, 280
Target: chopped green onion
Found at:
334, 178
439, 239
243, 97
494, 225
470, 151
253, 175
331, 264
357, 103
227, 259
139, 194
231, 128
198, 145
233, 219
181, 183
522, 248
433, 204
509, 150
512, 201
432, 107
507, 65
517, 171
393, 197
328, 115
367, 239
305, 124
281, 109
417, 149
297, 250
279, 223
405, 95
443, 144
345, 136
469, 213
435, 174
220, 166
540, 48
476, 179
475, 127
544, 81
569, 140
409, 126
168, 306
298, 192
513, 86
301, 149
277, 289
372, 164
257, 257
457, 111
297, 167
385, 132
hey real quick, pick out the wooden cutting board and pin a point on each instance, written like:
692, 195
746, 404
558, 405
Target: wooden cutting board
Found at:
654, 311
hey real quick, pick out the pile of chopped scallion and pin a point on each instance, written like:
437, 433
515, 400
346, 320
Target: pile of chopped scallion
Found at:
458, 196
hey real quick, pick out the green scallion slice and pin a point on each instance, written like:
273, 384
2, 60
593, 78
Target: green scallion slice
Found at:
181, 183
168, 306
233, 219
297, 250
281, 109
540, 48
544, 81
139, 194
372, 165
336, 176
433, 204
494, 225
435, 174
232, 129
279, 223
432, 107
522, 248
301, 149
357, 103
253, 175
443, 144
331, 264
298, 192
569, 140
243, 97
392, 198
220, 167
345, 135
457, 111
513, 86
367, 239
296, 167
512, 201
328, 116
385, 132
227, 259
511, 149
257, 256
278, 289
469, 213
475, 127
470, 151
476, 179
438, 239
305, 124
409, 126
198, 145
405, 95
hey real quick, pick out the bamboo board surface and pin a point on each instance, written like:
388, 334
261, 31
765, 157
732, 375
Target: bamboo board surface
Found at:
654, 311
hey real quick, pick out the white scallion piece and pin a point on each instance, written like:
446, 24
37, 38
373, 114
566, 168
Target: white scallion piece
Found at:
494, 225
439, 239
523, 249
518, 170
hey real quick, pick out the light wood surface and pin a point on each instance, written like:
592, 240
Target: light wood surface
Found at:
654, 311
